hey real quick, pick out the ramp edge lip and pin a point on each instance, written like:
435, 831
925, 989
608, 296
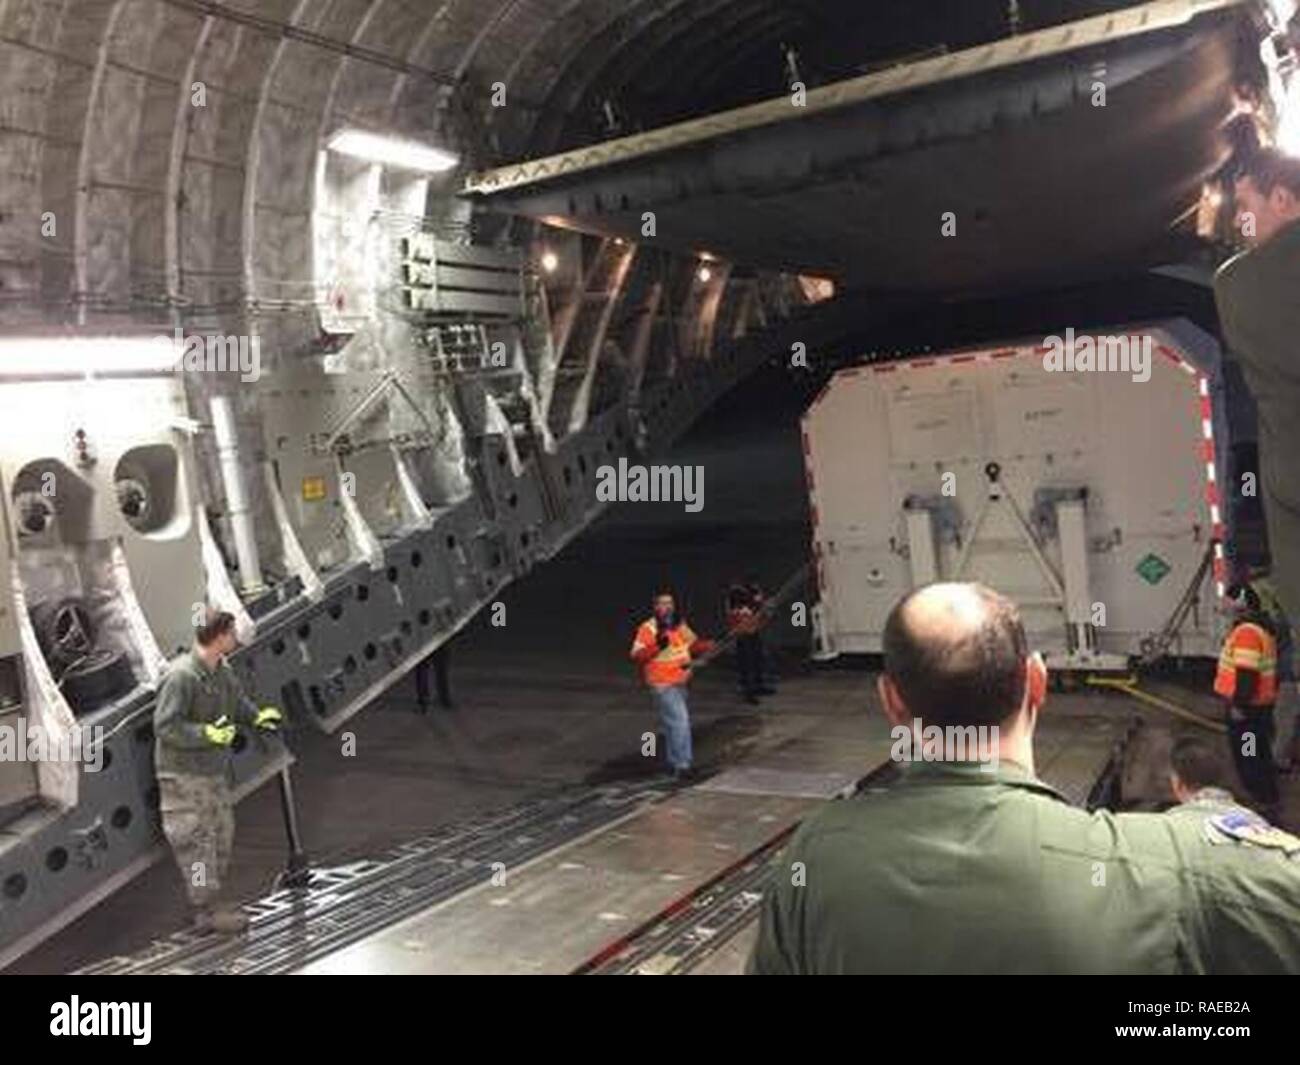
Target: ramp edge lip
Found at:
1136, 21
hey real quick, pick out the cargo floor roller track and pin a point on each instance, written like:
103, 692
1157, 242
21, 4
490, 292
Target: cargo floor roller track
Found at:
344, 904
677, 940
1077, 758
1078, 753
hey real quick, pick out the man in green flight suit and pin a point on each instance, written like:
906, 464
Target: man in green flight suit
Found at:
196, 717
979, 867
1258, 298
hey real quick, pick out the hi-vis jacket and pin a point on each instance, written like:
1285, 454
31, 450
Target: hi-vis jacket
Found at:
1248, 646
666, 668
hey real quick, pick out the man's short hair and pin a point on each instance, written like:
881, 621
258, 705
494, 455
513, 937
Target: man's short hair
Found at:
216, 623
1196, 762
974, 678
1268, 168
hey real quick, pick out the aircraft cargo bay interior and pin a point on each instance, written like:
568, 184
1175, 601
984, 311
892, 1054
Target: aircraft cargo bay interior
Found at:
727, 487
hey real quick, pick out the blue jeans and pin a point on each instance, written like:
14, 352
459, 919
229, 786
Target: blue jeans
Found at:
676, 721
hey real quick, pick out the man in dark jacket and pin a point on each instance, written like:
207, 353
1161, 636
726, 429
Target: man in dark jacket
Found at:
745, 620
1259, 312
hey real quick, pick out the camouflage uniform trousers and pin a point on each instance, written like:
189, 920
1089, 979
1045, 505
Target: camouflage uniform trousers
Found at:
198, 817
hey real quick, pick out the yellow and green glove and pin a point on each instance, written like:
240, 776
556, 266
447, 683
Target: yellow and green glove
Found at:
268, 719
220, 732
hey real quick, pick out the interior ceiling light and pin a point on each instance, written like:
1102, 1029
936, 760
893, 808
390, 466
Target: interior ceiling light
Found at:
77, 356
550, 261
1282, 11
392, 151
1279, 54
1287, 135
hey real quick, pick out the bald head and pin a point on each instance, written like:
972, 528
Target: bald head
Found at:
956, 654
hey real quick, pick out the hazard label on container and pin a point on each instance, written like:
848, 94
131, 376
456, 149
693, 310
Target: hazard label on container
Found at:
1153, 569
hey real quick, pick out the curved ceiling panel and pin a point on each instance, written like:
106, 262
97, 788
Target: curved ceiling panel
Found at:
1042, 185
165, 208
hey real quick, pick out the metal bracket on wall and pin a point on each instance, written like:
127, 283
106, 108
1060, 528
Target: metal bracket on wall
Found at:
353, 633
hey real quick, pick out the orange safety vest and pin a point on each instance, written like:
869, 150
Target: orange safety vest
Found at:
666, 667
1248, 646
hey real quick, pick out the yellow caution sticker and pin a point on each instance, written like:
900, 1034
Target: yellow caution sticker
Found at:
1242, 826
313, 489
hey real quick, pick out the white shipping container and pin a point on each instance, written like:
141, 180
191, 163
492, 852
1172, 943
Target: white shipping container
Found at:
1089, 497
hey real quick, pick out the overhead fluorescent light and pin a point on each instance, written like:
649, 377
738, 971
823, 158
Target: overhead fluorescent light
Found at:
1283, 11
391, 151
55, 356
1286, 136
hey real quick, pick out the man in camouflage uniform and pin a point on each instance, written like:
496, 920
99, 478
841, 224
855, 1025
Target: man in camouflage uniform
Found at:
979, 867
200, 705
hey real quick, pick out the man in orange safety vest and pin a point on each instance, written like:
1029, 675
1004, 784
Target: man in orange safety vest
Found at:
1247, 682
663, 648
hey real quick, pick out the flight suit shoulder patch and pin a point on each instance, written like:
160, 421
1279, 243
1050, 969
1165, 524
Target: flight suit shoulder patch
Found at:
1243, 828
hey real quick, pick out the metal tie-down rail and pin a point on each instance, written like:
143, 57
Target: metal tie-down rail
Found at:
295, 926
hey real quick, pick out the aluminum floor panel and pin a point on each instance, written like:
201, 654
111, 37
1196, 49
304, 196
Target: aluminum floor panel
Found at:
731, 958
556, 913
